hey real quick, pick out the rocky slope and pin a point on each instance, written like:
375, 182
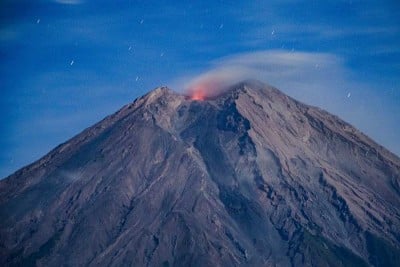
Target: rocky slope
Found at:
250, 177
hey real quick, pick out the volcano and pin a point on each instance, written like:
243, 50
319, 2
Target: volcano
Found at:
250, 177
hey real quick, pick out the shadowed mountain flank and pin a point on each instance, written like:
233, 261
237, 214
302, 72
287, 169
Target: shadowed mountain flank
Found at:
249, 177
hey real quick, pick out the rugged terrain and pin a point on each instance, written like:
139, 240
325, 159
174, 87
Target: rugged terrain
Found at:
249, 177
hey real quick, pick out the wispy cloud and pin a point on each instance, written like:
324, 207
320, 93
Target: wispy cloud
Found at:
69, 2
272, 24
263, 34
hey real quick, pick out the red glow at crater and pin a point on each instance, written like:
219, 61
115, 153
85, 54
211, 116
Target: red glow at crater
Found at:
197, 94
203, 90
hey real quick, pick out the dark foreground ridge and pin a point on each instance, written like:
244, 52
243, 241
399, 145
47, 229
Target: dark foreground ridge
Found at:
250, 177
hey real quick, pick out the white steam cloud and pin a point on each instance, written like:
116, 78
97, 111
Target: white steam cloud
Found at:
284, 69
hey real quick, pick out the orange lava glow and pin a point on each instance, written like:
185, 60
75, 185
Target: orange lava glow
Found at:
197, 94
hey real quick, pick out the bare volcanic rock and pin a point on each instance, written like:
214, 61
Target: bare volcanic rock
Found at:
250, 177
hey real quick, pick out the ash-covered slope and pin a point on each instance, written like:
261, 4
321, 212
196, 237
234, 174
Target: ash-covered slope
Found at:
251, 177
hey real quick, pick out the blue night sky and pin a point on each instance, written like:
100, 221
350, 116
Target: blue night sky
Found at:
65, 64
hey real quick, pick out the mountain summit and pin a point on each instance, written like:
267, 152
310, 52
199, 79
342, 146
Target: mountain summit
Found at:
249, 177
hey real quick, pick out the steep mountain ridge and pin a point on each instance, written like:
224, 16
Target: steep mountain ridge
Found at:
249, 177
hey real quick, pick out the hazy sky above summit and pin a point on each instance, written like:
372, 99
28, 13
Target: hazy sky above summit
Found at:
65, 64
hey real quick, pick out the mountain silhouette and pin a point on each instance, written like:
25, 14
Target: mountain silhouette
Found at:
249, 177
